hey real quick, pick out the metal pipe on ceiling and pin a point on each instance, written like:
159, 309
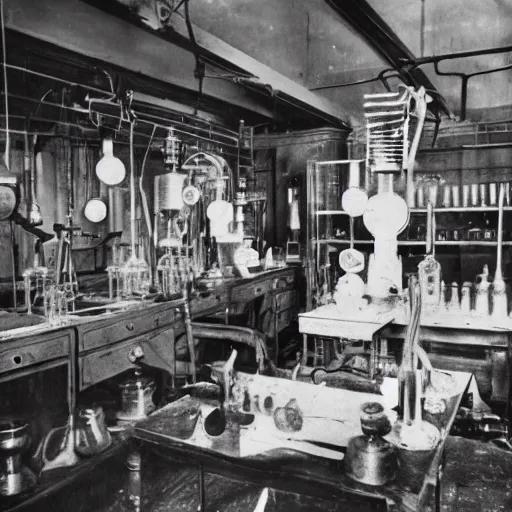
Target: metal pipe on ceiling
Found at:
363, 18
108, 93
151, 123
98, 140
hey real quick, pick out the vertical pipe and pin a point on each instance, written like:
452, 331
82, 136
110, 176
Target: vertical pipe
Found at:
6, 93
422, 30
132, 193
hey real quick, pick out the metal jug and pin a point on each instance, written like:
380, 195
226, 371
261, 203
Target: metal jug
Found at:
91, 434
136, 397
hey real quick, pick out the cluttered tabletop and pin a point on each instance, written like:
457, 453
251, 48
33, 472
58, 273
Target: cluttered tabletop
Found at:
312, 439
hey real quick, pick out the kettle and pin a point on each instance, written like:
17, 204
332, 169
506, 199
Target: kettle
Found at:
85, 434
91, 434
136, 397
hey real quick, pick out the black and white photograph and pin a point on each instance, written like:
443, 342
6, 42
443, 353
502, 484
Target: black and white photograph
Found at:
256, 256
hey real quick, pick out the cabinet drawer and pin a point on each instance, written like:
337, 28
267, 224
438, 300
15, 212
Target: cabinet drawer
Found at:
284, 318
122, 327
35, 350
285, 300
250, 291
109, 362
284, 281
204, 305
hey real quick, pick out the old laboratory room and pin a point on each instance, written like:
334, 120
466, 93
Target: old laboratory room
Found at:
256, 256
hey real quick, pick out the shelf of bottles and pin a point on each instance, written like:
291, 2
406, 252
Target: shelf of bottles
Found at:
471, 227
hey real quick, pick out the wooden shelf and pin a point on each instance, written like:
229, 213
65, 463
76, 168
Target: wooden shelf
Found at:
451, 209
416, 242
331, 212
470, 209
366, 242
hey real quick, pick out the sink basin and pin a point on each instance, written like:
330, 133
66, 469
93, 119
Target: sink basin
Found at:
11, 320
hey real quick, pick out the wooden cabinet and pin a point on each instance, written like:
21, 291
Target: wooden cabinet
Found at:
286, 155
285, 300
41, 350
115, 359
248, 292
208, 304
124, 326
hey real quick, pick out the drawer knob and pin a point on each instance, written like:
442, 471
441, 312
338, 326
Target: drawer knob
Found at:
130, 326
136, 353
17, 359
259, 290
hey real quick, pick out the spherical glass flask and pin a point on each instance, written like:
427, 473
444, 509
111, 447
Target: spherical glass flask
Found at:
110, 170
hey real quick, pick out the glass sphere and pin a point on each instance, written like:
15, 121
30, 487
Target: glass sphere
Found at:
354, 201
110, 170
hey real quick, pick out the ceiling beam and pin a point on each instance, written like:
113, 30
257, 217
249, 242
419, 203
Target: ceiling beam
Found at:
265, 76
363, 18
294, 97
85, 30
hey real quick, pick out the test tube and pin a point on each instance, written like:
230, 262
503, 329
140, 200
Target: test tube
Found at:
455, 196
465, 195
483, 194
432, 194
493, 196
474, 194
446, 196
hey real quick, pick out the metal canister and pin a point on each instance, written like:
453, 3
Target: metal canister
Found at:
136, 397
474, 234
369, 458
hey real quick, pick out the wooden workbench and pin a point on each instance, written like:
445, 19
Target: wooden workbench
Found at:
96, 348
488, 344
102, 342
169, 431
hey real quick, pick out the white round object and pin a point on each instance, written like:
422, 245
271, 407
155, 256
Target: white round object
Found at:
386, 214
110, 170
351, 260
349, 285
354, 201
7, 201
190, 195
95, 210
220, 214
